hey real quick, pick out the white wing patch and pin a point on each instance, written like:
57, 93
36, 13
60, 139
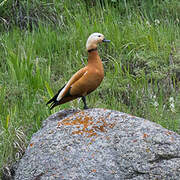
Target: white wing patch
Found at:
60, 96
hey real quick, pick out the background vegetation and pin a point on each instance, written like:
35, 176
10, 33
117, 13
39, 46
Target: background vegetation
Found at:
42, 43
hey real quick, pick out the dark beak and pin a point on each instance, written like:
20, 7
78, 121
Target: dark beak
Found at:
105, 40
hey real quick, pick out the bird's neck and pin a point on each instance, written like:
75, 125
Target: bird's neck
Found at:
93, 57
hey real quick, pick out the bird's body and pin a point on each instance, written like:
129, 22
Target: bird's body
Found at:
86, 79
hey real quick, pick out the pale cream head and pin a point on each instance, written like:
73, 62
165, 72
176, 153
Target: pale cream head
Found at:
93, 40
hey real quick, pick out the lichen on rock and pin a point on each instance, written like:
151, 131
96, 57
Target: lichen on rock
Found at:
100, 144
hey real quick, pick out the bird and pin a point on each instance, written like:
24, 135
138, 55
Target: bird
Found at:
86, 79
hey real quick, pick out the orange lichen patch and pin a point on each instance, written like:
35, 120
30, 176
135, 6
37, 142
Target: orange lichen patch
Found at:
168, 133
103, 126
82, 112
78, 132
145, 135
112, 125
99, 128
86, 121
93, 170
82, 123
31, 145
85, 125
92, 134
58, 124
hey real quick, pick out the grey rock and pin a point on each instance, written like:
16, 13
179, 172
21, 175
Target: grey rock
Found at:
100, 144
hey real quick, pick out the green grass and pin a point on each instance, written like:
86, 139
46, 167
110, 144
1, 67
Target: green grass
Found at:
142, 66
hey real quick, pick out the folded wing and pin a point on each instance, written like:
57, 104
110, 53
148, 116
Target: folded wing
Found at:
63, 94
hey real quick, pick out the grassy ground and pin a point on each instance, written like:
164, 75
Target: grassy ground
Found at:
42, 48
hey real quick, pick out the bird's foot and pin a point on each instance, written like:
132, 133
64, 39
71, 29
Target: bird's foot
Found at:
86, 107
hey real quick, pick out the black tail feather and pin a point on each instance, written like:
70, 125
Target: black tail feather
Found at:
53, 100
54, 104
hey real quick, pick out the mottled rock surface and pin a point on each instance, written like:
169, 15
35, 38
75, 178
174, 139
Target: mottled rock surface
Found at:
100, 144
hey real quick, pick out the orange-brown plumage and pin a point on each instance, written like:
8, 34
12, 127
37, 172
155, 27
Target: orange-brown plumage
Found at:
86, 79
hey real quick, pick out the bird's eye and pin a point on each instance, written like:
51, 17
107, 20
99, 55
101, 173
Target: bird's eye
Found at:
99, 36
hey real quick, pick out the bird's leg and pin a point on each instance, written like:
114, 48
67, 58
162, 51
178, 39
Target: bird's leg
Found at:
84, 101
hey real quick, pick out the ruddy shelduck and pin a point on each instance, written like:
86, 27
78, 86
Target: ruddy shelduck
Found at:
86, 79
